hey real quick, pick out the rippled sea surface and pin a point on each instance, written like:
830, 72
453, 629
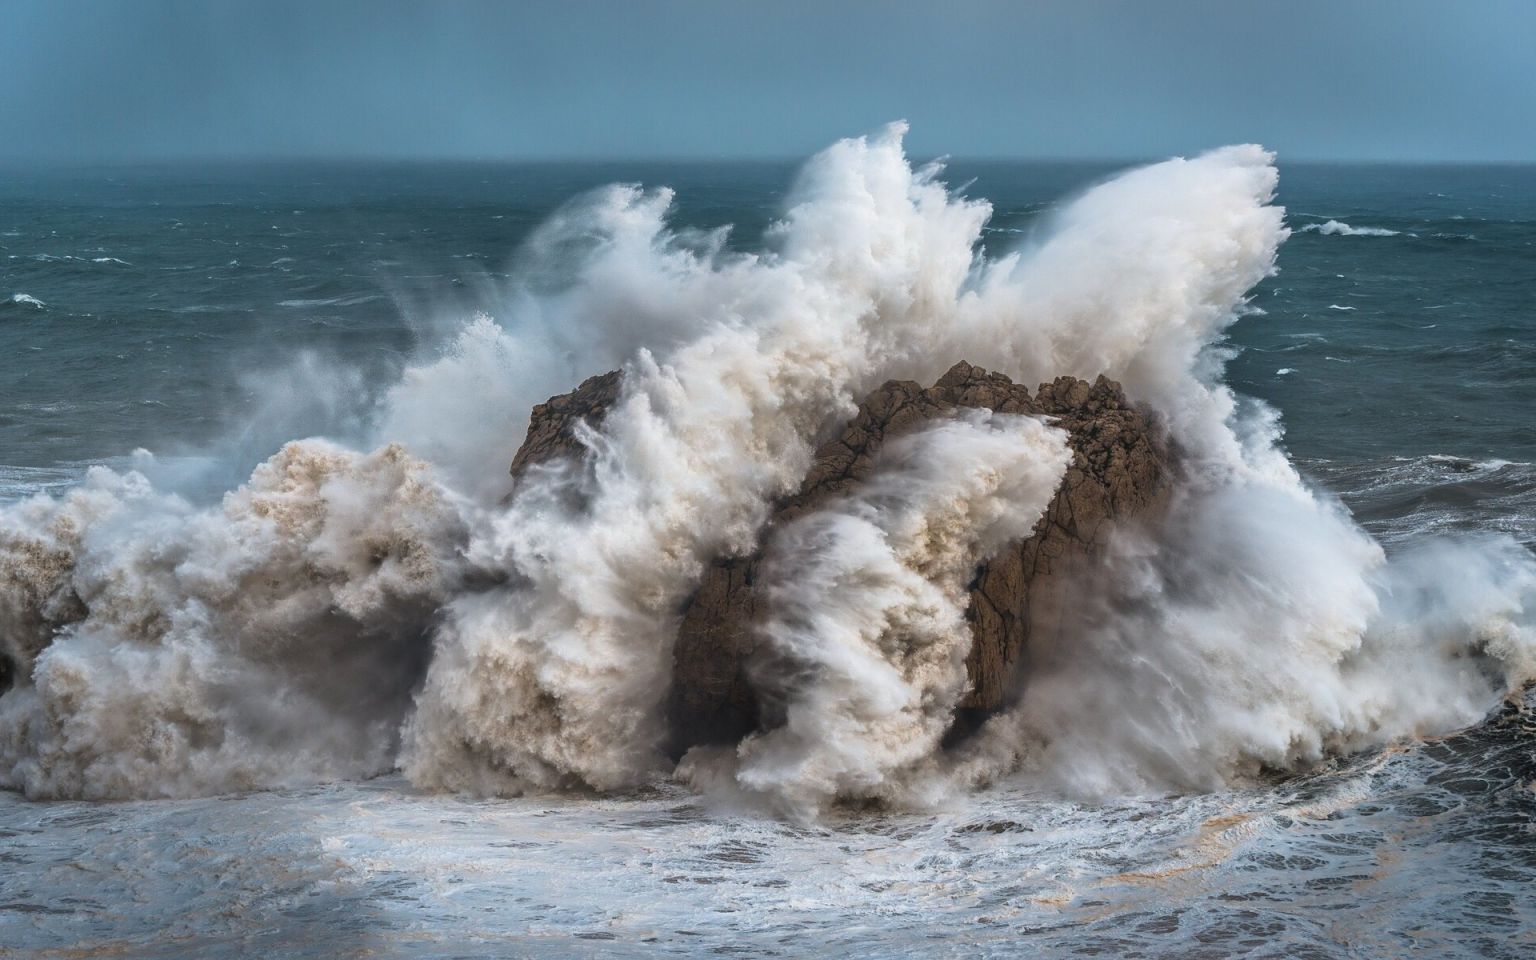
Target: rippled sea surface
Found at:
148, 308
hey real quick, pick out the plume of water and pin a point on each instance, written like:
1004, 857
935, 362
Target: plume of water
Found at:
164, 649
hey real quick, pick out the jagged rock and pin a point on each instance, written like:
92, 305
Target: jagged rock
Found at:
551, 425
1117, 473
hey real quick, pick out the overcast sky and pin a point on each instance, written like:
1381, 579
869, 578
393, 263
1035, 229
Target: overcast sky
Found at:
1331, 79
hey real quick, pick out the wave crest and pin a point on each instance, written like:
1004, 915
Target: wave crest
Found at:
1335, 228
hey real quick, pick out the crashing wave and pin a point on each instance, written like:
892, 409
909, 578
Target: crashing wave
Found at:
159, 649
163, 650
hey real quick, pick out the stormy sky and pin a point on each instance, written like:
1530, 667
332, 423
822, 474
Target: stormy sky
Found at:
87, 80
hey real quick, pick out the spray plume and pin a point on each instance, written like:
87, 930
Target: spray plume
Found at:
1255, 626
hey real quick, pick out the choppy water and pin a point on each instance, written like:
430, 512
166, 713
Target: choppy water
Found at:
155, 309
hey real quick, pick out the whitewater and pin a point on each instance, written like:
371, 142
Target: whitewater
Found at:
459, 676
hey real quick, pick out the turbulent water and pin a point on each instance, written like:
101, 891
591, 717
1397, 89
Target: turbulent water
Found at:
264, 575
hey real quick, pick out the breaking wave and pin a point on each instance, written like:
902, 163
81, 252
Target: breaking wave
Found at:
345, 612
1335, 228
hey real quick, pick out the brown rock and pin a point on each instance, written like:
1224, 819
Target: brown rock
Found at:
551, 425
1117, 474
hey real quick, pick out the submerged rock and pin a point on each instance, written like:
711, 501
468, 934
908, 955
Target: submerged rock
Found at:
1018, 596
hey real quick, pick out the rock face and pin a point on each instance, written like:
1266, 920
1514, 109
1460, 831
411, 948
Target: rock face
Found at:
1118, 474
551, 425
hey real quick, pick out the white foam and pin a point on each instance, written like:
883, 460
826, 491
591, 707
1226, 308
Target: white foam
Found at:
65, 258
1335, 228
263, 642
351, 300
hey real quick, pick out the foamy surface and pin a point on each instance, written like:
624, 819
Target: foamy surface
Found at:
1423, 849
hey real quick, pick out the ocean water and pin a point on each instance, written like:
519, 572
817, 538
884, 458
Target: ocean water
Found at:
183, 323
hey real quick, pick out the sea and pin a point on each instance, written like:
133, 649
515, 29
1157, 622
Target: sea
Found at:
154, 308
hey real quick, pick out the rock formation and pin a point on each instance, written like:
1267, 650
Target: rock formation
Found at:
551, 425
1117, 474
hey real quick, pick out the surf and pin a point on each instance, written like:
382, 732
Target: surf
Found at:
503, 638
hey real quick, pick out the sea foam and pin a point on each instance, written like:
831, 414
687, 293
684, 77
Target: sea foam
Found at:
1335, 228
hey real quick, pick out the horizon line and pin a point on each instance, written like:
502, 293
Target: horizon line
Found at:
276, 159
